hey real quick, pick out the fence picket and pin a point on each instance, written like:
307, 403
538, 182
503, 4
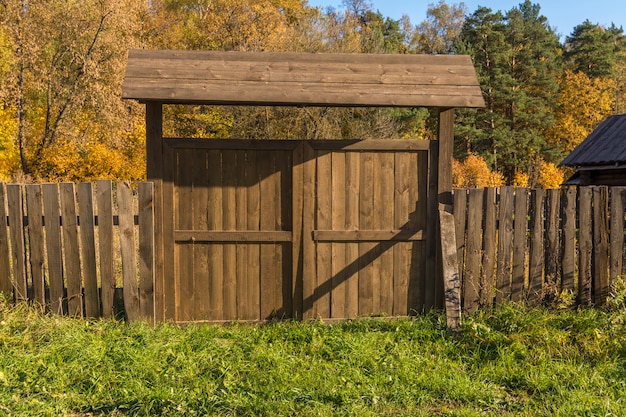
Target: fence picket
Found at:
471, 287
488, 283
600, 263
585, 246
16, 220
520, 244
146, 251
505, 244
36, 241
69, 227
6, 287
617, 231
127, 248
54, 251
104, 196
536, 256
568, 254
84, 193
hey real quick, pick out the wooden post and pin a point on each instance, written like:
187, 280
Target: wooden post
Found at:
154, 173
451, 281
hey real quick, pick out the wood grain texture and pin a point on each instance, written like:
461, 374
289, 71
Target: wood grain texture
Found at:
34, 210
127, 249
16, 221
73, 274
84, 192
568, 246
146, 251
104, 197
215, 77
6, 287
54, 246
520, 245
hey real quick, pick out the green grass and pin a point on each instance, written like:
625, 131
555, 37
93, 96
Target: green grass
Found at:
510, 362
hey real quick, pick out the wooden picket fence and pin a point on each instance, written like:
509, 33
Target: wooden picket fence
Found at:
67, 257
527, 245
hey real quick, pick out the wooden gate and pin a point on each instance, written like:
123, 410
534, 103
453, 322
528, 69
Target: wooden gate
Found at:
282, 229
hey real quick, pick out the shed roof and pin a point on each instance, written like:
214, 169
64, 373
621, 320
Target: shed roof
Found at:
606, 145
294, 79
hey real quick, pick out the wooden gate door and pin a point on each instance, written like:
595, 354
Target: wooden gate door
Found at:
365, 228
255, 230
231, 227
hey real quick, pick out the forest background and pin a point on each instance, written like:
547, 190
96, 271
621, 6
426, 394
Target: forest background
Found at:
62, 65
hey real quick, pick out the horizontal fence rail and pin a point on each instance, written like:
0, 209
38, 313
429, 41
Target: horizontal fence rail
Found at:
59, 247
527, 245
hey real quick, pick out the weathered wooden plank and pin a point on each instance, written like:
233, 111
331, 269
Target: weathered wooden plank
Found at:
270, 294
229, 222
6, 287
386, 203
617, 231
373, 145
353, 175
568, 247
420, 206
338, 222
127, 250
241, 211
254, 253
170, 271
36, 241
184, 217
537, 253
324, 221
401, 219
505, 245
366, 249
585, 246
73, 275
460, 223
146, 251
200, 223
200, 92
297, 199
284, 163
104, 197
425, 290
216, 251
84, 192
445, 136
520, 244
471, 283
552, 234
54, 246
309, 261
16, 216
452, 284
488, 277
154, 170
393, 235
600, 262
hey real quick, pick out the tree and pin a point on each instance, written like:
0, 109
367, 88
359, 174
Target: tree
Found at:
66, 70
594, 50
518, 61
440, 31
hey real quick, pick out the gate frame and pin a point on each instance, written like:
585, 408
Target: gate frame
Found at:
439, 82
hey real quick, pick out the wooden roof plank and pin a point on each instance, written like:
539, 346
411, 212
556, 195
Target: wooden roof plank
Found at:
217, 77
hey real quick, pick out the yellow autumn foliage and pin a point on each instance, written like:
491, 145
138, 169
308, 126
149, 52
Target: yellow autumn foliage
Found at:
550, 176
474, 173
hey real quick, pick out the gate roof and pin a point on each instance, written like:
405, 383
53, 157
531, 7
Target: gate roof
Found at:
301, 79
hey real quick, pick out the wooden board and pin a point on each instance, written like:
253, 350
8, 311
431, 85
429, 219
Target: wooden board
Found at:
505, 245
6, 287
617, 232
520, 245
537, 254
36, 241
16, 216
54, 246
104, 197
146, 251
585, 245
568, 247
488, 283
471, 283
600, 261
84, 192
73, 274
127, 248
215, 77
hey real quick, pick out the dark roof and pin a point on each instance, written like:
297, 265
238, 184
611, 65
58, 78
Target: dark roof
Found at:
285, 78
606, 145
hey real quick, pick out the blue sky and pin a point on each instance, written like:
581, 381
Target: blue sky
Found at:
562, 15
